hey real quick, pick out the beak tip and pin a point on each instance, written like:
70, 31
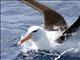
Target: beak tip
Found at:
19, 43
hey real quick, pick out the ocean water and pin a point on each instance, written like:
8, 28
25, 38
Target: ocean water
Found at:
17, 17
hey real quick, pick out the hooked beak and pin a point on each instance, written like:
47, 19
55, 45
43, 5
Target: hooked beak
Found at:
25, 38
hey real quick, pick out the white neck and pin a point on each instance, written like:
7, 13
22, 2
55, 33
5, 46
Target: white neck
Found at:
42, 41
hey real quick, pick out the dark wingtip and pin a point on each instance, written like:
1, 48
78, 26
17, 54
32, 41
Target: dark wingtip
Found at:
68, 33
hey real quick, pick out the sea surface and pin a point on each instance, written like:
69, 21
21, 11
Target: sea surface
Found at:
16, 17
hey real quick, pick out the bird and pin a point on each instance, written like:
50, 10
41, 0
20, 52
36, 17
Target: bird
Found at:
53, 30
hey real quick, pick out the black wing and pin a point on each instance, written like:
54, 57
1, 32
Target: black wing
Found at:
51, 17
68, 33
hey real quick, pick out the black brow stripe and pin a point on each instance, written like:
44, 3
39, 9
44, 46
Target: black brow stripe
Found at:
35, 30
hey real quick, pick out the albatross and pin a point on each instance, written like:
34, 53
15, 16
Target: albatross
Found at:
54, 30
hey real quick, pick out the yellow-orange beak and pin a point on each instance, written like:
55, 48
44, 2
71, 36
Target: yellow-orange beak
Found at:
25, 38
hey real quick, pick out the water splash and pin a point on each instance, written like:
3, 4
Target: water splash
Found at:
71, 49
27, 46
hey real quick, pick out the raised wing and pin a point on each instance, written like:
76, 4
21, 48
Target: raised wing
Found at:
68, 33
51, 17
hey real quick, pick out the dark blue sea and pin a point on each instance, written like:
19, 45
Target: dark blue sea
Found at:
16, 17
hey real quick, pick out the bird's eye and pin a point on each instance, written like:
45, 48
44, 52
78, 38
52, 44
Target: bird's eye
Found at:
35, 31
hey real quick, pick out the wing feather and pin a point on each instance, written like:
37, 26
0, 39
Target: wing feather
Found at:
51, 17
68, 33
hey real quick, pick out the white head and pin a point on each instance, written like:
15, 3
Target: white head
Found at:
34, 33
34, 29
